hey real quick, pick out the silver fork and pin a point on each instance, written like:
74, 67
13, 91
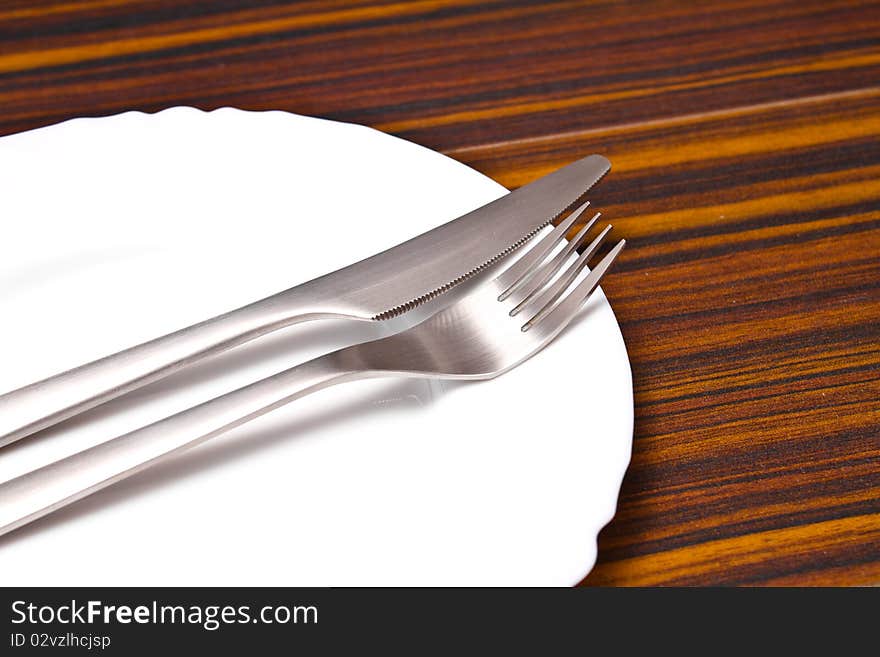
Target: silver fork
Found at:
500, 322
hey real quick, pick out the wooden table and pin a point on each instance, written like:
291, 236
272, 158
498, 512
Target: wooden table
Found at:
744, 139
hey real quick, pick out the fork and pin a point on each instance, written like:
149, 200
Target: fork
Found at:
499, 322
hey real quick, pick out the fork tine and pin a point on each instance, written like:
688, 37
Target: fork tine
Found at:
563, 311
523, 268
549, 269
547, 294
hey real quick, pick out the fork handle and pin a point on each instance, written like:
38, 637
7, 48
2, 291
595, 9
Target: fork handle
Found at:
53, 400
42, 491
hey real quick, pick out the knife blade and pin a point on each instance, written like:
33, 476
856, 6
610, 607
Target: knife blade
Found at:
377, 288
389, 282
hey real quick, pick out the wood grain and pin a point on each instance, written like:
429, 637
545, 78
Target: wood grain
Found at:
744, 139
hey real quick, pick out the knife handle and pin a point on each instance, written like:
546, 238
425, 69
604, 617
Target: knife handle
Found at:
45, 403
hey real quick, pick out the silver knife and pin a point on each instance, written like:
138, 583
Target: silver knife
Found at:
380, 287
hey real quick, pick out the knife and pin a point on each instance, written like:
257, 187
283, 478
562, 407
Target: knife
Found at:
380, 287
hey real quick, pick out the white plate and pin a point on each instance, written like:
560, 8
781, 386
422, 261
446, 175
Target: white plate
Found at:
119, 229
